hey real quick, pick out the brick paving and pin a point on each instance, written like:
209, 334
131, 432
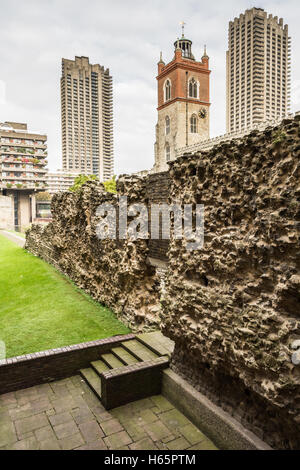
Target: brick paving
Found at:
67, 415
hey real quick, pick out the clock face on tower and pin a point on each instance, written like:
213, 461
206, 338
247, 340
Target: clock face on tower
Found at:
202, 113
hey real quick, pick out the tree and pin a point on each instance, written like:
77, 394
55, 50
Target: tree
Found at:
80, 180
111, 185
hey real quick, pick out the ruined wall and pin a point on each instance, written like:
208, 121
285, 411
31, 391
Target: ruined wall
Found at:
113, 272
233, 308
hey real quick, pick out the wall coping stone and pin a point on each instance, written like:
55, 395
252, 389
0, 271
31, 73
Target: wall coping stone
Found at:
65, 349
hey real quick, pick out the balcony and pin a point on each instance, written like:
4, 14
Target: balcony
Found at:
22, 160
23, 186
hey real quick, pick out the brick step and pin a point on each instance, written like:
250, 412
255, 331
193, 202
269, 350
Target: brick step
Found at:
112, 361
99, 366
124, 355
92, 379
157, 343
138, 350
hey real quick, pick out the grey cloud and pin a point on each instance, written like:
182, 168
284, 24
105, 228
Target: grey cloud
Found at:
125, 36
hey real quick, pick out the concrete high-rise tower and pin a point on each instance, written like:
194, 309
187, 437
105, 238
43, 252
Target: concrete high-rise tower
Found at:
183, 102
258, 69
87, 118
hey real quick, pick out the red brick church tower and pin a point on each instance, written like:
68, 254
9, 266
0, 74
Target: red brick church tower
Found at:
183, 102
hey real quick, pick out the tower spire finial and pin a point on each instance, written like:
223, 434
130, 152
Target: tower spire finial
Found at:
205, 53
182, 23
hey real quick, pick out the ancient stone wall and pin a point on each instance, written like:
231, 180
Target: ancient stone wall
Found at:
233, 307
114, 272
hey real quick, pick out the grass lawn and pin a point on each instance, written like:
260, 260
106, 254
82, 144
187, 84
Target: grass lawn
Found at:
41, 309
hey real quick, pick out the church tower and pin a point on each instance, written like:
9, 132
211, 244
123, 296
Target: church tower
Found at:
183, 102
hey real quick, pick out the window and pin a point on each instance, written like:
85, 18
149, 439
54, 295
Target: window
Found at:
167, 90
167, 125
168, 153
193, 88
194, 124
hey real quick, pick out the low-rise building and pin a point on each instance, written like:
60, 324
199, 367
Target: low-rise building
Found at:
23, 160
60, 180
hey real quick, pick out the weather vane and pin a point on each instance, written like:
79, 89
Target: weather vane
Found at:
182, 23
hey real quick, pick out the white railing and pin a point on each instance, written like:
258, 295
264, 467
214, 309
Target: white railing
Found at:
209, 143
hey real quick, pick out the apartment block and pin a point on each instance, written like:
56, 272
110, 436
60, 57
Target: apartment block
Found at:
258, 69
23, 160
87, 118
60, 180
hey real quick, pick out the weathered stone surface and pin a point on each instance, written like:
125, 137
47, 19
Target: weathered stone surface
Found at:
114, 272
233, 307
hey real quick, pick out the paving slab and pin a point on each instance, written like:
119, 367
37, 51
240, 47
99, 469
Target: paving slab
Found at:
26, 444
111, 426
91, 431
7, 433
31, 424
96, 445
192, 434
65, 429
144, 444
204, 445
117, 440
162, 403
67, 415
157, 430
178, 444
50, 444
44, 434
60, 418
174, 419
71, 442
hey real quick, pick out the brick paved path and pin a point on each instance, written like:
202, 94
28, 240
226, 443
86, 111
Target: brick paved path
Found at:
67, 415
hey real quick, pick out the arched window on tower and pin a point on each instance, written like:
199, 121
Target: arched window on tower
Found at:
193, 88
168, 152
194, 124
167, 125
167, 90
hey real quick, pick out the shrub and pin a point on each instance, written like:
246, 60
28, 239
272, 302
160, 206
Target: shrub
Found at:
43, 196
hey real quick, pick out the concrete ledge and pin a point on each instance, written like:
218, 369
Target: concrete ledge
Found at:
219, 426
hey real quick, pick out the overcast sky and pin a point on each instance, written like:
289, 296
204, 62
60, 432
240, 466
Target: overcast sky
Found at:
126, 36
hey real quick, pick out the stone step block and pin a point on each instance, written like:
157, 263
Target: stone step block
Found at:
112, 361
157, 342
92, 379
124, 355
99, 366
138, 350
